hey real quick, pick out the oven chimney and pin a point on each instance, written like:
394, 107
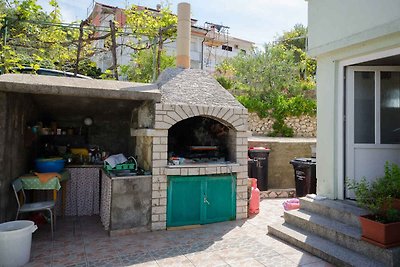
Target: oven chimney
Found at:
183, 38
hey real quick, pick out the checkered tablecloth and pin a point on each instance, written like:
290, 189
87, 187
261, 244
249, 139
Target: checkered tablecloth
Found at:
32, 182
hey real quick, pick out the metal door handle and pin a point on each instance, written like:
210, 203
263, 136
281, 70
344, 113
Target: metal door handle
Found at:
206, 201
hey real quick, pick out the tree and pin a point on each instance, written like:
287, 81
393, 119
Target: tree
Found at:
32, 37
141, 68
150, 29
273, 82
296, 40
265, 73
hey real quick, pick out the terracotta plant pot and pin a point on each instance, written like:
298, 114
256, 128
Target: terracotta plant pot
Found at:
396, 203
380, 234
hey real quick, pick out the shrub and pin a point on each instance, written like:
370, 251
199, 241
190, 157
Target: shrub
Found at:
279, 108
377, 196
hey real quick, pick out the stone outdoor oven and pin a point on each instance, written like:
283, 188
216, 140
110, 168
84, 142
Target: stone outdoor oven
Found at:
204, 129
195, 143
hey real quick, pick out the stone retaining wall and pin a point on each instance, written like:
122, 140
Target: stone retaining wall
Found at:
304, 126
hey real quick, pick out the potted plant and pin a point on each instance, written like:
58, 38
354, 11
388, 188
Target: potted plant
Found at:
392, 180
381, 226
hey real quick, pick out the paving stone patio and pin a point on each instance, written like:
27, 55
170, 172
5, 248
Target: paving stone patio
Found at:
236, 243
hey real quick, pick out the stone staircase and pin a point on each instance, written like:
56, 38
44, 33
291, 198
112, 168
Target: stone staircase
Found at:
330, 229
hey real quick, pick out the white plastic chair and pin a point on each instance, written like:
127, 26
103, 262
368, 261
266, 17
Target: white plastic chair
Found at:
34, 206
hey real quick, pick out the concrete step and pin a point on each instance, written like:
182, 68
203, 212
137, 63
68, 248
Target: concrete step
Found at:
320, 247
339, 210
340, 233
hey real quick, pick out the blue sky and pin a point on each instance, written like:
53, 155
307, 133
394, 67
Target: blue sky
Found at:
258, 21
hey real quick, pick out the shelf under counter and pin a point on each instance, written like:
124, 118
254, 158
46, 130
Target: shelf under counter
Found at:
84, 166
83, 190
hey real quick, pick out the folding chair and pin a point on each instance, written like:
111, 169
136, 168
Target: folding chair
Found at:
34, 206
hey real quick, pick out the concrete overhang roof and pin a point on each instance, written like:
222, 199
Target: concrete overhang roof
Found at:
65, 86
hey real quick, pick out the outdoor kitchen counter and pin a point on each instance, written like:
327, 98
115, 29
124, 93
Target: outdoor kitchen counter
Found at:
203, 168
125, 204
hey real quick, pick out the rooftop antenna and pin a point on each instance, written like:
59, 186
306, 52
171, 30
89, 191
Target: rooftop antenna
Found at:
90, 8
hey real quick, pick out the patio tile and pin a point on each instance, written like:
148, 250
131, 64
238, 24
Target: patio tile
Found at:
259, 251
252, 231
131, 249
239, 242
234, 243
155, 244
100, 243
39, 253
39, 262
197, 247
206, 259
277, 261
175, 261
246, 263
70, 250
301, 258
138, 258
233, 255
146, 264
91, 235
111, 262
67, 259
96, 253
68, 236
40, 249
66, 244
80, 264
166, 253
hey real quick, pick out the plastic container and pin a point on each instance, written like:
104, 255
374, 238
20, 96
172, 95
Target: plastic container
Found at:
254, 206
291, 204
258, 166
80, 151
15, 242
49, 165
305, 176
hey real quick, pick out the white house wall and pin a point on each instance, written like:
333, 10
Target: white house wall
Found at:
332, 24
343, 33
330, 102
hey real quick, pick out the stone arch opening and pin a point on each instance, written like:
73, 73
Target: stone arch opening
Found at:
201, 140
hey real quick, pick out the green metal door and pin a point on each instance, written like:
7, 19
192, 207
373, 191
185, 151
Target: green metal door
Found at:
184, 201
219, 199
200, 199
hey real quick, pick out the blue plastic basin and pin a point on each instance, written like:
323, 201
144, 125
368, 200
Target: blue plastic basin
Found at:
49, 165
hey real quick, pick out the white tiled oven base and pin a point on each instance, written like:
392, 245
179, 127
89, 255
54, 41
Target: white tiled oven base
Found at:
167, 115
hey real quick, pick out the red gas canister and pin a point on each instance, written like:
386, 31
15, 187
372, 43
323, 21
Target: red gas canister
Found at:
255, 197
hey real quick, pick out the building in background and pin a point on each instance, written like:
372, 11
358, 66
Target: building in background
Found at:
210, 44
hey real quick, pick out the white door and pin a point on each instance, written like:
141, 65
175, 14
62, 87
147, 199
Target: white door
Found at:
372, 121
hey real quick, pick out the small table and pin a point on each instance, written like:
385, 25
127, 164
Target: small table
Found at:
31, 182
